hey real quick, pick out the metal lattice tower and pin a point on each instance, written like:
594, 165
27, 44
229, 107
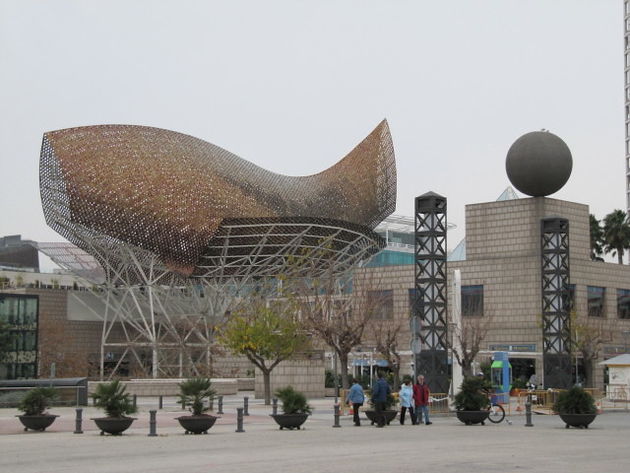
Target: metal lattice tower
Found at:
555, 302
430, 304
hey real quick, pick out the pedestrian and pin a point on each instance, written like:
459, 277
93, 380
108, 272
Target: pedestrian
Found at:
356, 398
380, 391
406, 401
421, 399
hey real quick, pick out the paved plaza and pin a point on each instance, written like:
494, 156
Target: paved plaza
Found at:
445, 446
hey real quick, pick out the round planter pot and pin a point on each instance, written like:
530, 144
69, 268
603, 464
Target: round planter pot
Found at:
289, 421
389, 416
577, 420
472, 417
40, 422
113, 425
197, 424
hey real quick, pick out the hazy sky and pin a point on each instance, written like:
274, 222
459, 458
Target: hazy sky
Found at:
294, 85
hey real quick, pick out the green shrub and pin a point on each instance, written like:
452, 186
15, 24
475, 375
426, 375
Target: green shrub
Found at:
112, 398
193, 392
519, 383
575, 401
472, 395
293, 402
36, 401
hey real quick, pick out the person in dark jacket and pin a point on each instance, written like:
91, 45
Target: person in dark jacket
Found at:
355, 397
421, 395
379, 397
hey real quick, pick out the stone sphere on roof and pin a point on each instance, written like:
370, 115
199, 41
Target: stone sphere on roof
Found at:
539, 163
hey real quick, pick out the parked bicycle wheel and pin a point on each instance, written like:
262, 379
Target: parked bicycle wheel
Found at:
497, 413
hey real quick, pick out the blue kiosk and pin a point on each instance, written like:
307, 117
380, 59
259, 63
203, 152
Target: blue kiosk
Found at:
501, 377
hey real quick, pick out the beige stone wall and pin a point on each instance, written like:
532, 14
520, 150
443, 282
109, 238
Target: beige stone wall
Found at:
304, 372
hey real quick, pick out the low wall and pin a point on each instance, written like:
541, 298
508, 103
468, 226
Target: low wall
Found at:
246, 384
170, 386
304, 372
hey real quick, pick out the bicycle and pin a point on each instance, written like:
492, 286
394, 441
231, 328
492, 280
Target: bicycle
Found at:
496, 411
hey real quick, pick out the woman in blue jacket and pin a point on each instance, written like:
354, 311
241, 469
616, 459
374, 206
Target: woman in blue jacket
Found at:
356, 398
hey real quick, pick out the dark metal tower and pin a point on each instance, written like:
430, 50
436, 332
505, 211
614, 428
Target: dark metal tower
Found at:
555, 302
430, 302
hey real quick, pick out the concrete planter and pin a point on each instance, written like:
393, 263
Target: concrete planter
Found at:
196, 424
113, 425
289, 421
577, 420
473, 417
40, 422
390, 415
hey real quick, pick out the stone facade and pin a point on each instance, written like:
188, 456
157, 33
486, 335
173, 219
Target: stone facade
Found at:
305, 372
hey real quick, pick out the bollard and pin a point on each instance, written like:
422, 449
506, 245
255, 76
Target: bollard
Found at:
239, 419
79, 420
220, 411
336, 424
160, 402
246, 406
135, 401
183, 405
152, 423
528, 411
211, 404
274, 402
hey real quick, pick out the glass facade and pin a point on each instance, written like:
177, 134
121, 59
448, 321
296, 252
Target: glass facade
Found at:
391, 258
19, 315
472, 301
623, 303
595, 300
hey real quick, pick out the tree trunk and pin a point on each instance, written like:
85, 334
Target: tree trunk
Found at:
267, 384
343, 362
588, 373
619, 257
467, 368
396, 370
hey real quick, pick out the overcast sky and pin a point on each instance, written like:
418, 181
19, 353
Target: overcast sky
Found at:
294, 85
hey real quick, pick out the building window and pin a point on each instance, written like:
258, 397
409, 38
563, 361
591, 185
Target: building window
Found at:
623, 303
472, 301
19, 314
382, 304
595, 300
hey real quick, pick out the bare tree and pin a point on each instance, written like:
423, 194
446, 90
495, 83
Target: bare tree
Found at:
588, 337
386, 336
337, 309
468, 340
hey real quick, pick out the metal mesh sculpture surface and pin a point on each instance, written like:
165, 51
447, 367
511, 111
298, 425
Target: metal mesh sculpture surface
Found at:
180, 227
171, 194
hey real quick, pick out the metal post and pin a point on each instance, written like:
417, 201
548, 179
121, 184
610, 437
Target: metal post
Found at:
211, 404
220, 411
336, 424
135, 401
528, 411
79, 420
274, 406
239, 419
183, 405
152, 423
161, 402
336, 380
246, 405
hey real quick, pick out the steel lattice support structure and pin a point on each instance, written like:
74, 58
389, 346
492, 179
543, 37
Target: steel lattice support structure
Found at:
430, 303
556, 330
177, 227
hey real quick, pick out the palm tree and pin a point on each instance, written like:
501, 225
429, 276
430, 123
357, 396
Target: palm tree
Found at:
597, 239
617, 233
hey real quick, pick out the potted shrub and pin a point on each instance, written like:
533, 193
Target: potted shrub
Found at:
390, 411
471, 402
34, 405
193, 394
295, 408
576, 407
112, 398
